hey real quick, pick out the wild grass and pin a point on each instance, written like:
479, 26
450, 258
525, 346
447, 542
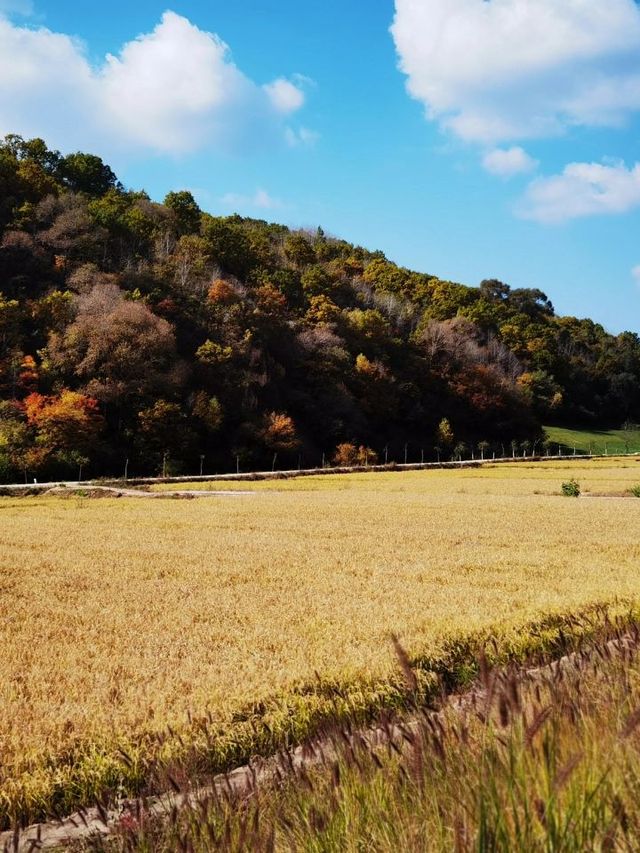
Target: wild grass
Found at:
533, 761
140, 634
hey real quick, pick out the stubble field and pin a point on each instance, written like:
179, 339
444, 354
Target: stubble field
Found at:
119, 618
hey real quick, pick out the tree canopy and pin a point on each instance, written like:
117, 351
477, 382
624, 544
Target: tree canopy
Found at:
160, 334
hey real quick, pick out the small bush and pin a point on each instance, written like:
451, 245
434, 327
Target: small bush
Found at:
571, 489
635, 491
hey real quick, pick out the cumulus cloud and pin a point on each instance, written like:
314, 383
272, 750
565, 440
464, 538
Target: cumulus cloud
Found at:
285, 96
507, 162
260, 200
498, 70
583, 189
172, 90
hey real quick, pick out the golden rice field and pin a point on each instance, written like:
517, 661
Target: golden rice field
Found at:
119, 617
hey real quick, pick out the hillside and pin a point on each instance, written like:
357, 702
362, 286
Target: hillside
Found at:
159, 337
597, 441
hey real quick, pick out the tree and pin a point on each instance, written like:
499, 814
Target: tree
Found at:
222, 292
86, 173
15, 439
494, 290
483, 447
165, 435
66, 425
541, 390
119, 350
278, 432
316, 281
208, 410
459, 450
191, 262
228, 245
270, 301
186, 211
444, 434
322, 311
213, 354
349, 455
298, 249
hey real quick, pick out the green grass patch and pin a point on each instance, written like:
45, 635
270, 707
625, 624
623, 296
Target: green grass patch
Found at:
598, 442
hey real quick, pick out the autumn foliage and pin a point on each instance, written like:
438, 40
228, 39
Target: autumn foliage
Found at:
68, 421
279, 432
348, 455
184, 335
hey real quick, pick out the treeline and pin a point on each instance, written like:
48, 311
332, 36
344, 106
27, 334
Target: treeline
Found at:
162, 338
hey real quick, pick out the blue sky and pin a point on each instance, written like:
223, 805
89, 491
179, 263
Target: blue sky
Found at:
444, 143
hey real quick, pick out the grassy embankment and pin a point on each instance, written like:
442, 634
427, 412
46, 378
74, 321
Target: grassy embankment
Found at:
245, 624
598, 442
538, 762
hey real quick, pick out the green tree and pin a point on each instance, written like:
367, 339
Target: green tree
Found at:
86, 173
298, 249
186, 211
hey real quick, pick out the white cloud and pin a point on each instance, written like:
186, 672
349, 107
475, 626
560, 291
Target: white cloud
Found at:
507, 162
583, 189
496, 70
46, 84
260, 200
635, 272
285, 97
173, 90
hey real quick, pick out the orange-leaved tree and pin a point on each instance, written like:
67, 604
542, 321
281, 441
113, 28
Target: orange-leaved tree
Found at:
278, 432
68, 422
349, 455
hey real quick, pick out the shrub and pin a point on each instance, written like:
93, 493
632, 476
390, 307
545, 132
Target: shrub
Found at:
635, 491
571, 489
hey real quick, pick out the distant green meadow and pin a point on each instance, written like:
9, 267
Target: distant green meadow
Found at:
613, 442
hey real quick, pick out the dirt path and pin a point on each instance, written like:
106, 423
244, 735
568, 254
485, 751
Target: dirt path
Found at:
115, 492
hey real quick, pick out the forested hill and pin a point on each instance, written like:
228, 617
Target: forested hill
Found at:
160, 334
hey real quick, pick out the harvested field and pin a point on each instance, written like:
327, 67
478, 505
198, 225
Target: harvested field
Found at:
122, 617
